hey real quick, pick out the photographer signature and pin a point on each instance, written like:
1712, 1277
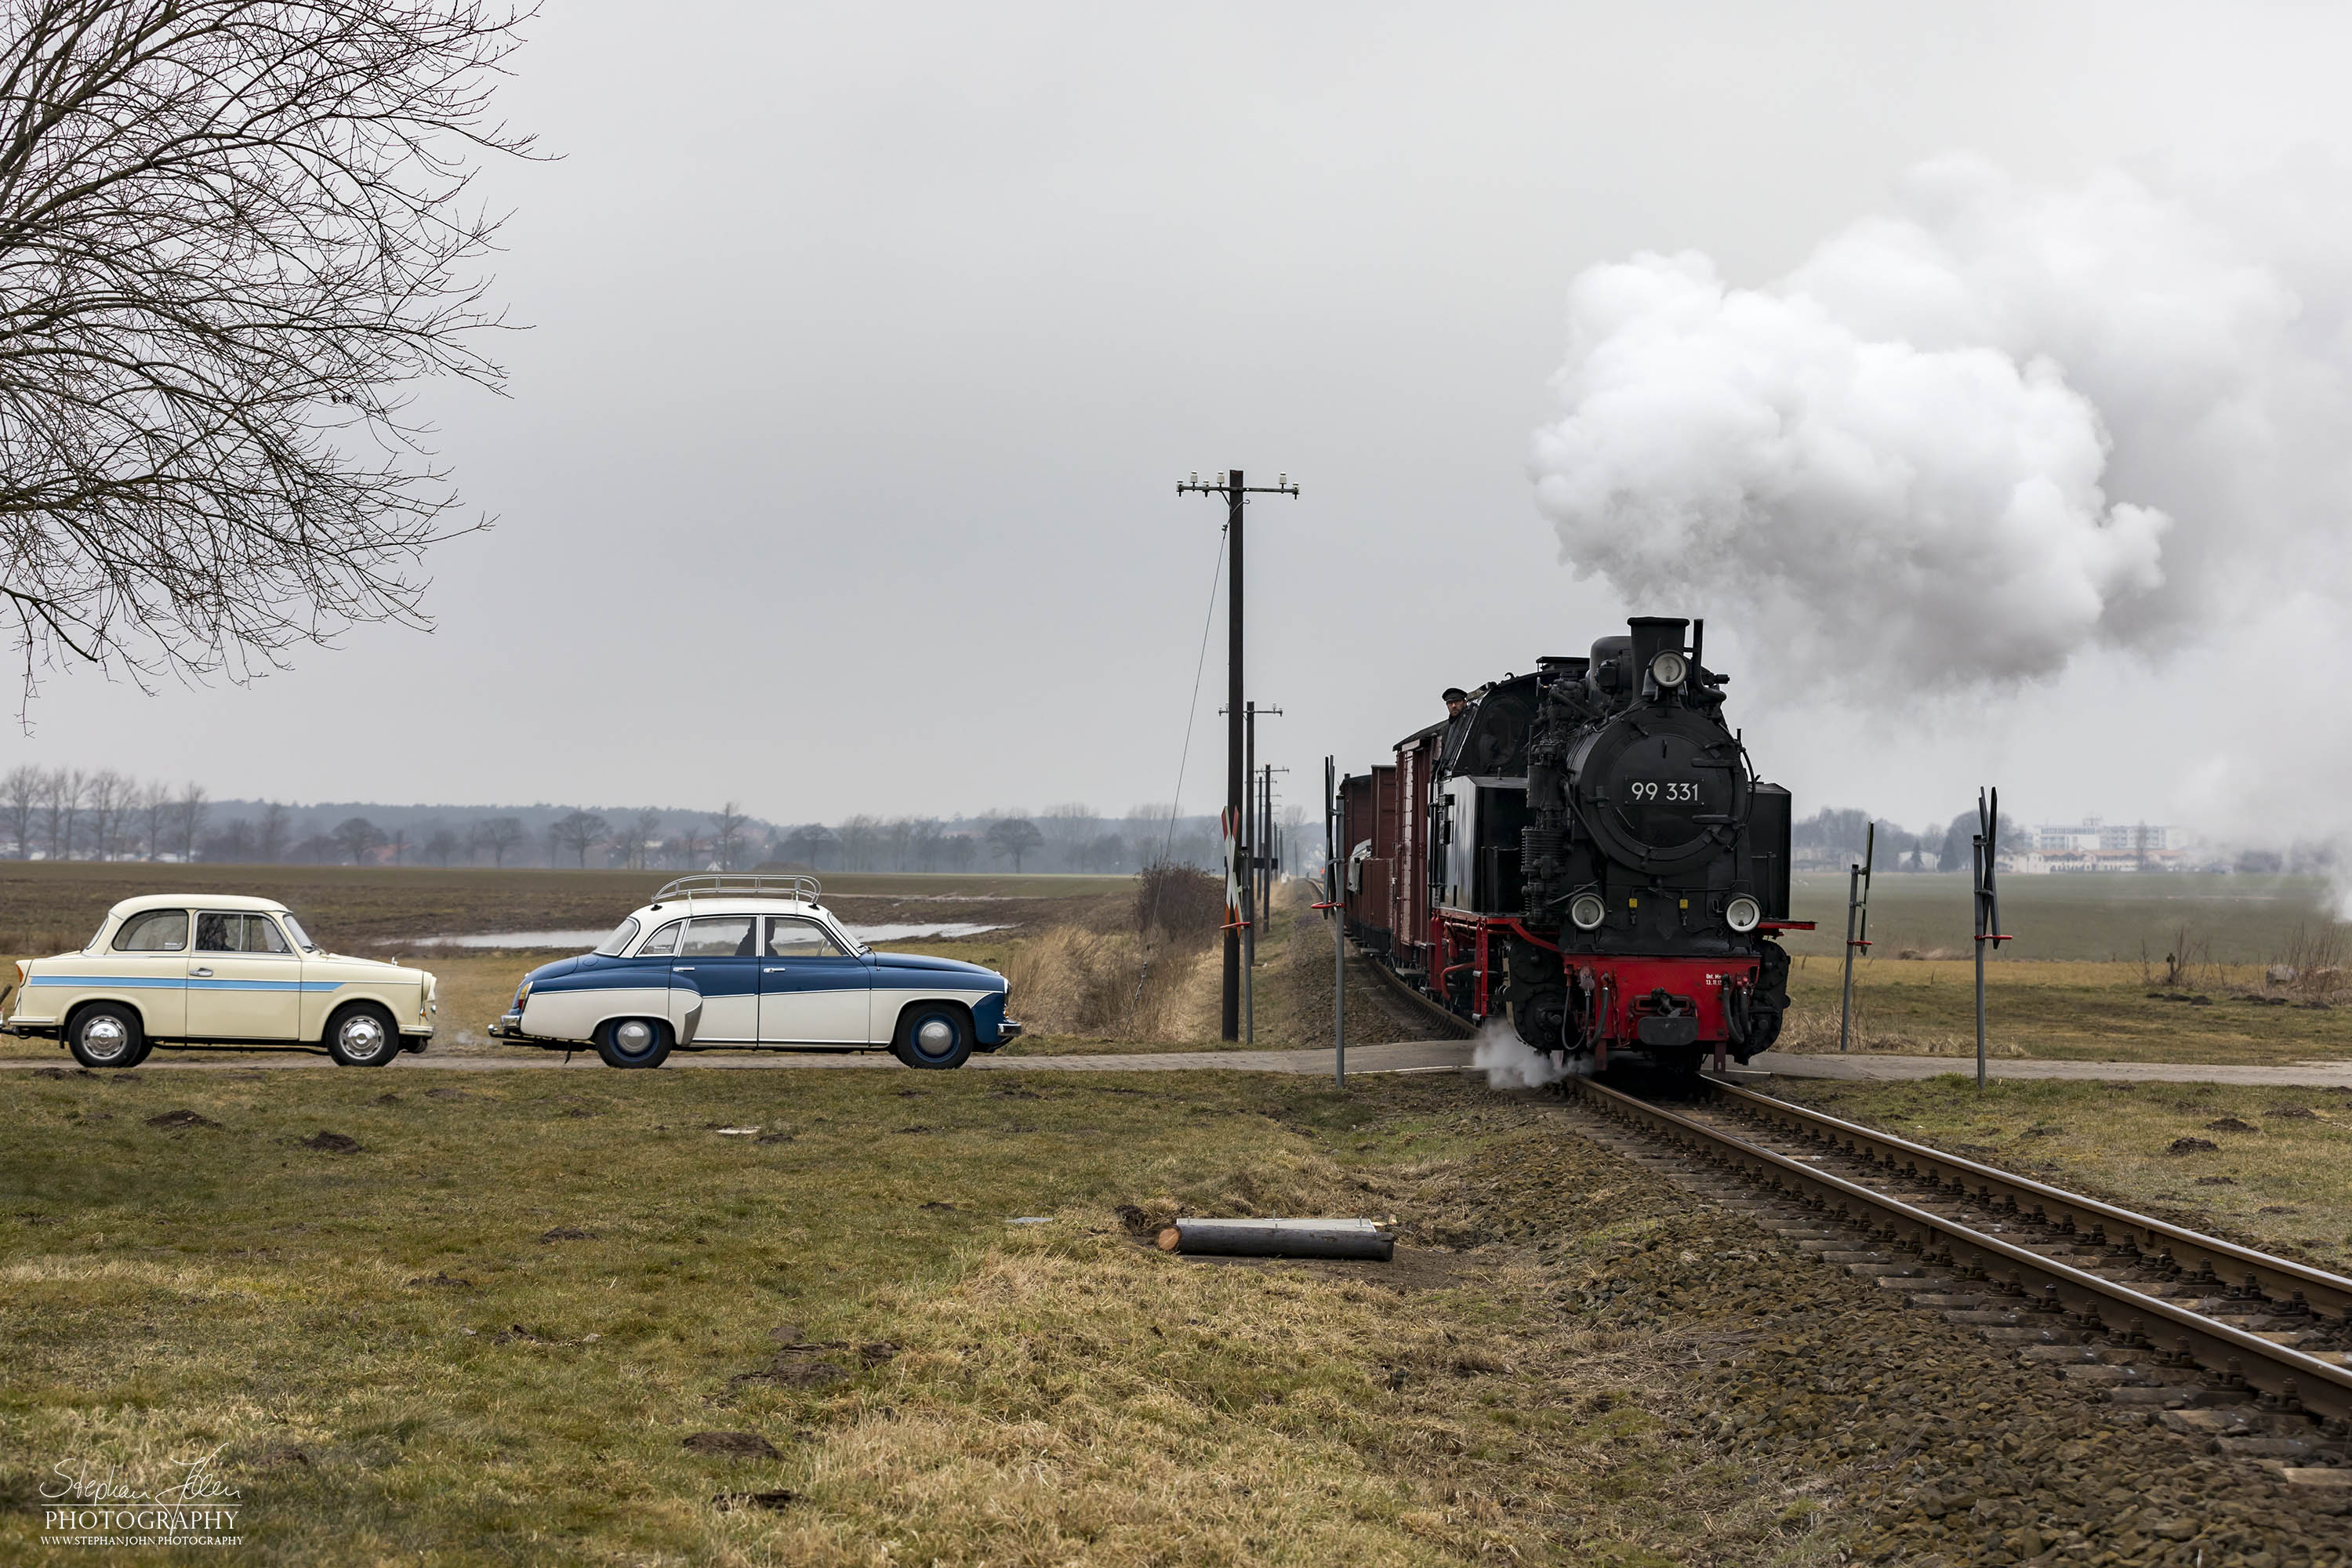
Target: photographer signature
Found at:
79, 1480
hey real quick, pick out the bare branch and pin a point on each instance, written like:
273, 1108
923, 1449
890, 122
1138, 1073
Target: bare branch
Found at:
232, 233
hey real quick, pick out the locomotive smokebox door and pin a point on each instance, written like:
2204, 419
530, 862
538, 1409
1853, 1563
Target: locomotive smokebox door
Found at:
1662, 789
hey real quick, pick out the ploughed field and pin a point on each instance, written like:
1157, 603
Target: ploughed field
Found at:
372, 911
754, 1318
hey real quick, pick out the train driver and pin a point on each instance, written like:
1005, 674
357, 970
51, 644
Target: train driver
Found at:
1456, 699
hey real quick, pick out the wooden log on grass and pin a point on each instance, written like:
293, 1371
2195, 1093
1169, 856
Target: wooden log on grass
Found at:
1279, 1239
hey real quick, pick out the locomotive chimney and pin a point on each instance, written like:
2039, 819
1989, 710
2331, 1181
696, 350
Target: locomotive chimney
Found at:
1653, 634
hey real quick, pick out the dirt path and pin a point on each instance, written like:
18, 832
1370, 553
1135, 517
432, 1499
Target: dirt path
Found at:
1411, 1055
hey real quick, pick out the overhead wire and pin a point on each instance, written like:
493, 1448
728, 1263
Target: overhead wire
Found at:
1183, 761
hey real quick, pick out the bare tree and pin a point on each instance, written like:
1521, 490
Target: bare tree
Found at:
188, 813
861, 837
442, 845
109, 801
230, 232
923, 843
20, 796
1012, 838
60, 804
154, 816
644, 833
576, 833
270, 833
1067, 828
358, 839
727, 825
498, 835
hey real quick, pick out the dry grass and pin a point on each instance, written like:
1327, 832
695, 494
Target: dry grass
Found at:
2278, 1180
2080, 1011
484, 1336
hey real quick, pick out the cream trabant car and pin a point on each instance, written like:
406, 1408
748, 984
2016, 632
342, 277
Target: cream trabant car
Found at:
213, 970
738, 963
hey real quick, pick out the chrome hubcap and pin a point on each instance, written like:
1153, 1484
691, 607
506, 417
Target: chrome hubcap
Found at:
936, 1037
635, 1036
105, 1038
361, 1035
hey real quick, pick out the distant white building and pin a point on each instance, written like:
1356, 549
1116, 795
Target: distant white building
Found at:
2095, 845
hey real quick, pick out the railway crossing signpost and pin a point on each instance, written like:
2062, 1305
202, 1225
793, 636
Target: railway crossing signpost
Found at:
1988, 902
1229, 485
1857, 924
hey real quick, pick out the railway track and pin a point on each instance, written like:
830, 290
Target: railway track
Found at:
2217, 1342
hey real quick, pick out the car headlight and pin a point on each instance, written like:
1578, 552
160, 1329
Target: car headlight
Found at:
1742, 913
1669, 668
1586, 912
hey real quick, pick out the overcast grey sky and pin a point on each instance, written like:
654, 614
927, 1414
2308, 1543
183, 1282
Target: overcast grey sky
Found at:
867, 341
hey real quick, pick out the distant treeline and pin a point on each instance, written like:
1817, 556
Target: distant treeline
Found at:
70, 814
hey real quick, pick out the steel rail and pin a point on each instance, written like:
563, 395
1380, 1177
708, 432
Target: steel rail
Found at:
2287, 1378
1462, 1028
2157, 1242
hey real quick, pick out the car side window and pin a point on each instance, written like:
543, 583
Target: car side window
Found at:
717, 936
238, 933
663, 943
789, 937
153, 930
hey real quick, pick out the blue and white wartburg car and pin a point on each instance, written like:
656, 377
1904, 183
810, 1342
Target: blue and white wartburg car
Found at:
741, 962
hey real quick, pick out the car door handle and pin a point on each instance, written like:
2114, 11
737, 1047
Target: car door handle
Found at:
200, 973
776, 969
686, 969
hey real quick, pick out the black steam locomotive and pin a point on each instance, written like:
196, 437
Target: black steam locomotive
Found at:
1587, 849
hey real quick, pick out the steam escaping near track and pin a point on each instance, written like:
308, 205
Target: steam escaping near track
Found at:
1966, 441
1510, 1062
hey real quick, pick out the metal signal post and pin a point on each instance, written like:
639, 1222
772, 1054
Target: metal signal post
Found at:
1335, 901
1857, 924
1236, 493
1988, 902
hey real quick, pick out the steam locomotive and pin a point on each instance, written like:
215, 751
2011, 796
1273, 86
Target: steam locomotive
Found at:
1587, 850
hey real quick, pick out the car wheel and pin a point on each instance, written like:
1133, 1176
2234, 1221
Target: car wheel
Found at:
933, 1035
362, 1037
634, 1043
107, 1035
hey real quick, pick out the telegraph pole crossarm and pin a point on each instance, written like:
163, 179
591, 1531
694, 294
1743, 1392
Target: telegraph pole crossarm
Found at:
1236, 493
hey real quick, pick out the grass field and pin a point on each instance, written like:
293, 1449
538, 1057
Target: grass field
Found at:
2280, 1176
505, 1325
2110, 916
2074, 1011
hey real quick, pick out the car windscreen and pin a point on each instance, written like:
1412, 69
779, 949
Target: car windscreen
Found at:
617, 943
301, 938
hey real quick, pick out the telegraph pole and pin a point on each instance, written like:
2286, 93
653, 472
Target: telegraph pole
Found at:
1236, 493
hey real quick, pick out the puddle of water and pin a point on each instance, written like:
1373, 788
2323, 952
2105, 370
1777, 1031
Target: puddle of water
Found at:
583, 941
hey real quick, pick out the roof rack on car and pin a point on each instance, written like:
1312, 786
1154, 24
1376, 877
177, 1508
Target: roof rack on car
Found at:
741, 885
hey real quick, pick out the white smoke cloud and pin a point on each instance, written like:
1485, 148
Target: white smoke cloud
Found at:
1969, 441
1510, 1062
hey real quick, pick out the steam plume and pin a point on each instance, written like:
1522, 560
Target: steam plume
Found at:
1968, 440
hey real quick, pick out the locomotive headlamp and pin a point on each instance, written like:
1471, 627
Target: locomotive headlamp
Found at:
1586, 912
1742, 913
1669, 668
